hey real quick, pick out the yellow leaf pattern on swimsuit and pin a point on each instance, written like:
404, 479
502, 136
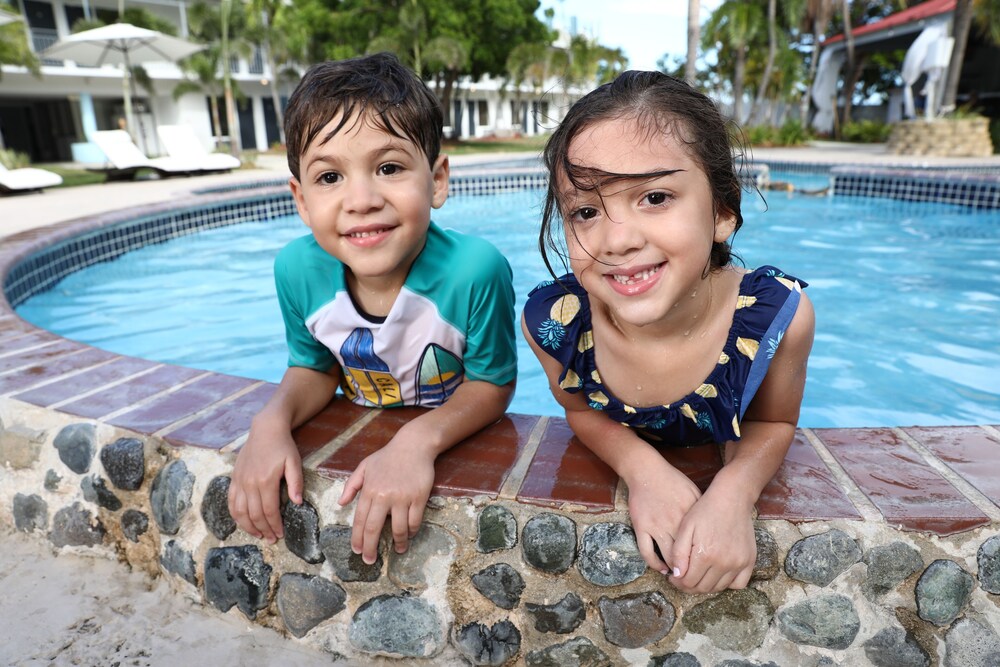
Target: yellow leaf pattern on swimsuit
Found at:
571, 380
565, 309
747, 346
745, 301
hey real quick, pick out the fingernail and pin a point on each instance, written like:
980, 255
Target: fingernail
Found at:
677, 571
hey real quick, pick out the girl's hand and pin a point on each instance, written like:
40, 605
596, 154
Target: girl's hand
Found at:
715, 547
659, 497
395, 481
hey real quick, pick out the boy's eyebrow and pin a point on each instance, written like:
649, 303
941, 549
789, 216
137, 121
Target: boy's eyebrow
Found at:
390, 147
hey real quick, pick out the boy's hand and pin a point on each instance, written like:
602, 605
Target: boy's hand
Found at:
659, 497
715, 548
395, 481
255, 490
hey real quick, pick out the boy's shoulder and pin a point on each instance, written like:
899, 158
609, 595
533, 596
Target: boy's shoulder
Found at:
463, 255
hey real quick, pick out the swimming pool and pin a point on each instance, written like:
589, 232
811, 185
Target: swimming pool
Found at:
906, 298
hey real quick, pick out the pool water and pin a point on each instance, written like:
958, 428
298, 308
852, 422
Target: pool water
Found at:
907, 298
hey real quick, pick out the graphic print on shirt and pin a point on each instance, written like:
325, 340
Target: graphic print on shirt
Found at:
439, 374
365, 374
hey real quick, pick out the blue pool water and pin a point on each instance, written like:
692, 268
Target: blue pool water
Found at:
907, 299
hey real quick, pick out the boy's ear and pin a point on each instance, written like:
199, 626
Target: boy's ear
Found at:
725, 224
440, 172
300, 200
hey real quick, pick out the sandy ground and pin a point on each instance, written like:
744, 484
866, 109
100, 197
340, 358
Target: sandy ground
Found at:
84, 610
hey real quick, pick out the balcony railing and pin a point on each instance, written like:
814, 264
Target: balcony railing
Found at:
43, 38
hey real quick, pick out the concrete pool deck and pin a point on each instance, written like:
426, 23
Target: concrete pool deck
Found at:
934, 489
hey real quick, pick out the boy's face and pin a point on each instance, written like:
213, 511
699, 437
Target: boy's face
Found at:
367, 197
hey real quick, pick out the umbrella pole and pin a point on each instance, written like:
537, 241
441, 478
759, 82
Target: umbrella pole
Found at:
127, 96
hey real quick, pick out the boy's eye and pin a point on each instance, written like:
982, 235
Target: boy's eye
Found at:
389, 169
329, 177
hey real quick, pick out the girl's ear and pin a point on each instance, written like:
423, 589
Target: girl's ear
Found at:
440, 172
725, 224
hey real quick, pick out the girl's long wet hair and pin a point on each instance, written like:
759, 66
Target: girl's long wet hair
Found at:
661, 104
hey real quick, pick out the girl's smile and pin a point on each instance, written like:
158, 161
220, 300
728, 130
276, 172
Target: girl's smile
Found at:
634, 281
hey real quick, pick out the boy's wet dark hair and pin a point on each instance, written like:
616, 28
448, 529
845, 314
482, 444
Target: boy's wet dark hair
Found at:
376, 88
660, 104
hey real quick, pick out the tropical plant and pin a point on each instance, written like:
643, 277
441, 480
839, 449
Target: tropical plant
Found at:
694, 38
279, 39
14, 49
731, 28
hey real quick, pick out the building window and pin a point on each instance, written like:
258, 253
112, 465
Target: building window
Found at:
484, 112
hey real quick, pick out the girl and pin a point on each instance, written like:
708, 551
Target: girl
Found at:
655, 339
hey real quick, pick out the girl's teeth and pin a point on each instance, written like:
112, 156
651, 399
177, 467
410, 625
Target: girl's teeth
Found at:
636, 278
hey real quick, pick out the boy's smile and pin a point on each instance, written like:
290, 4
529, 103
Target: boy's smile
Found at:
367, 195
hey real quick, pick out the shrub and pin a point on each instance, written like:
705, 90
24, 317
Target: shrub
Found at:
792, 133
866, 131
14, 160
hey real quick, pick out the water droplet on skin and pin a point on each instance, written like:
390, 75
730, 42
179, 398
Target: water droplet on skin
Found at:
638, 387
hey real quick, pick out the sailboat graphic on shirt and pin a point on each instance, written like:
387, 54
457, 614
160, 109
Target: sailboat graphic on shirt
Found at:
366, 374
438, 376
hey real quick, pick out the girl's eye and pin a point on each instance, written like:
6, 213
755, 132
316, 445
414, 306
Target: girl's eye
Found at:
657, 198
583, 214
329, 177
389, 169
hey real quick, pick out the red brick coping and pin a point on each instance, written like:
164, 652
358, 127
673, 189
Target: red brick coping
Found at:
940, 480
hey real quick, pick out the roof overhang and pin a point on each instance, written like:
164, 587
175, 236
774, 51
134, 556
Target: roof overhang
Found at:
896, 31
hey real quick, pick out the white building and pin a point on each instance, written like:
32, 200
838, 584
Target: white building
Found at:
50, 118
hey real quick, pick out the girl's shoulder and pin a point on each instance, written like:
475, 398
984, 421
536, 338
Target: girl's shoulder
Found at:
556, 312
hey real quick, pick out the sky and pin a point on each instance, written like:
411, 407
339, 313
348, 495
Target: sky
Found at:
644, 29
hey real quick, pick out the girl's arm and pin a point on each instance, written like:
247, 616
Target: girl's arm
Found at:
659, 494
715, 548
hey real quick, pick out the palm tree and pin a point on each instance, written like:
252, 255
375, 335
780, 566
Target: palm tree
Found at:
772, 51
694, 37
447, 57
816, 14
268, 24
732, 26
986, 15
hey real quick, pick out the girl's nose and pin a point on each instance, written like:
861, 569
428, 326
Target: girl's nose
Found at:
362, 196
622, 236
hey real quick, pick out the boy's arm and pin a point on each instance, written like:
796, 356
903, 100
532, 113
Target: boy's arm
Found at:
716, 548
659, 495
396, 481
270, 453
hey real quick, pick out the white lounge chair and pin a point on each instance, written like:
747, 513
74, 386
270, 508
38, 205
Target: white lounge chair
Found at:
180, 142
124, 158
27, 179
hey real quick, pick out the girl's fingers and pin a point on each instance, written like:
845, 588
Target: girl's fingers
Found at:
651, 553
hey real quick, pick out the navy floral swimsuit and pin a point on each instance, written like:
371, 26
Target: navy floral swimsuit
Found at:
558, 316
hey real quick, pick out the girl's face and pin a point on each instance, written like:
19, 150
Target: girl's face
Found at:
641, 246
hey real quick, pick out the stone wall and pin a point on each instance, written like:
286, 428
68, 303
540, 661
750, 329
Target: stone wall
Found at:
490, 581
949, 137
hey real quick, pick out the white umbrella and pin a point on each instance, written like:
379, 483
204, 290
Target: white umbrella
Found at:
121, 44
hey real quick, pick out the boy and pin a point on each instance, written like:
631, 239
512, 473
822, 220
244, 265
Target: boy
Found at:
378, 300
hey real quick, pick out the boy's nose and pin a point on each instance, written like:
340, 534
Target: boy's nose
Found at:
362, 196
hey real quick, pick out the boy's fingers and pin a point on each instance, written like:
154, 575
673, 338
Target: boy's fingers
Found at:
256, 513
414, 518
400, 528
372, 532
742, 579
272, 514
358, 527
352, 485
293, 478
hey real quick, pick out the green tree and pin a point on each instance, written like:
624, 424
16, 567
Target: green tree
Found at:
731, 28
14, 49
271, 29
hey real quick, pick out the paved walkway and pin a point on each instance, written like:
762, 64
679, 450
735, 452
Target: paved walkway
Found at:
21, 212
